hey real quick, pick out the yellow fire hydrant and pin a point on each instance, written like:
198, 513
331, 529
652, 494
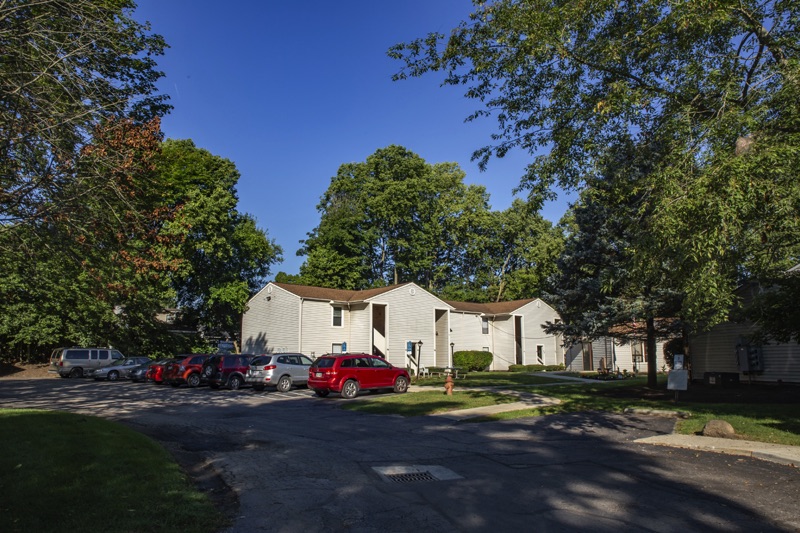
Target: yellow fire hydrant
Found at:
448, 384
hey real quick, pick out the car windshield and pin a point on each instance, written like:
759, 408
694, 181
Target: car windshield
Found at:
324, 362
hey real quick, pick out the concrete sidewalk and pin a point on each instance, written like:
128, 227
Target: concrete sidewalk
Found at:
526, 401
776, 453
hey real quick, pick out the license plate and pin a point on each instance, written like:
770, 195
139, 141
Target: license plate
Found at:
318, 374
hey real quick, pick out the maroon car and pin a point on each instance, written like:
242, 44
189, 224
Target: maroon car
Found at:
349, 373
188, 370
226, 370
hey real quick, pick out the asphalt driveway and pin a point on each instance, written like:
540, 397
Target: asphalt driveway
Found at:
299, 463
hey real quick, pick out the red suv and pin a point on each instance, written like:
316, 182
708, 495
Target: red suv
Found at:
349, 373
186, 371
155, 372
226, 370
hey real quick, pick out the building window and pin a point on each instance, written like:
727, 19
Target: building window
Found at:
637, 350
539, 354
485, 325
337, 317
336, 348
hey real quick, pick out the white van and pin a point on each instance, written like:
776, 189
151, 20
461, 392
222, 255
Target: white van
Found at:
76, 362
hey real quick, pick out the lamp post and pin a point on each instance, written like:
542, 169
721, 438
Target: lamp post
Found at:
419, 359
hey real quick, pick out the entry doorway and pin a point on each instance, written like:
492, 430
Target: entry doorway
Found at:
379, 330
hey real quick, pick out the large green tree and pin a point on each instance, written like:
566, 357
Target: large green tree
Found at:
66, 278
222, 256
502, 255
602, 287
79, 206
713, 83
523, 253
66, 67
390, 219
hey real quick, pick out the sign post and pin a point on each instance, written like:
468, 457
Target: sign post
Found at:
678, 378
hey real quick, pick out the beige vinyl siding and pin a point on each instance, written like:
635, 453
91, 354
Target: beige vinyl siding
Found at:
270, 322
359, 328
503, 346
319, 333
715, 351
534, 315
466, 334
409, 317
623, 355
620, 355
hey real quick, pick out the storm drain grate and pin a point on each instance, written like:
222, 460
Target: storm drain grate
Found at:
412, 478
414, 473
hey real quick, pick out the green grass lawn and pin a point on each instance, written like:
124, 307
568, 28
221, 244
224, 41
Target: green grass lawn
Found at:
427, 402
64, 472
775, 423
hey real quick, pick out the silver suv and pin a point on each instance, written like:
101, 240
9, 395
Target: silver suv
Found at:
281, 370
77, 362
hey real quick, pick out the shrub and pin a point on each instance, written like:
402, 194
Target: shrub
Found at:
472, 360
536, 368
671, 348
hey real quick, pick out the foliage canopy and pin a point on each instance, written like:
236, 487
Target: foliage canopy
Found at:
712, 85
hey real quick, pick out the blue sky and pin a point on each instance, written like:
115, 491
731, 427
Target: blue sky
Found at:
290, 90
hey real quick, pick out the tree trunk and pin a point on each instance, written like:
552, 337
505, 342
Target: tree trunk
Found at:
652, 369
503, 278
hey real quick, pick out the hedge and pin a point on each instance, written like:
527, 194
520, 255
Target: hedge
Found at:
535, 368
473, 360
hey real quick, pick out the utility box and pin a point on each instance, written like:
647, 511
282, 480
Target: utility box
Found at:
750, 357
721, 379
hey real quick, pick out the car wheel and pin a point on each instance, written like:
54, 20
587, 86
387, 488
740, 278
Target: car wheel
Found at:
258, 387
113, 375
234, 383
193, 380
322, 393
284, 384
401, 384
350, 389
76, 373
207, 371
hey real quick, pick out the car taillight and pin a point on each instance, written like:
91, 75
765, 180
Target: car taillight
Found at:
61, 363
270, 367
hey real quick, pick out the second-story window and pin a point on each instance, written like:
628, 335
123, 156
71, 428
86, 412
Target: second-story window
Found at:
337, 317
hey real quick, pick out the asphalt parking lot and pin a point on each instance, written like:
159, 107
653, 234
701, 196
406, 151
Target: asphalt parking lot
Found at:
299, 463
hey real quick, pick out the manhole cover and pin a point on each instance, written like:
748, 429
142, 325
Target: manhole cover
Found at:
412, 478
